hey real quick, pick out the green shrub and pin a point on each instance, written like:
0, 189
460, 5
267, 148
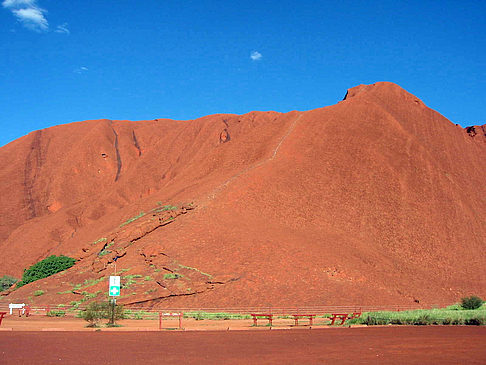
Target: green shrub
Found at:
472, 302
422, 320
396, 321
93, 314
6, 282
56, 313
457, 321
38, 293
47, 267
475, 321
96, 311
118, 311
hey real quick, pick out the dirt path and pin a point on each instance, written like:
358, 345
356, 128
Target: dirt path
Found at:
258, 164
397, 345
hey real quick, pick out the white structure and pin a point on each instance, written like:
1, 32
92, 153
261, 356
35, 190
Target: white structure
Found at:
12, 306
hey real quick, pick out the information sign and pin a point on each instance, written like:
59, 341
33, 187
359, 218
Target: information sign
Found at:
114, 290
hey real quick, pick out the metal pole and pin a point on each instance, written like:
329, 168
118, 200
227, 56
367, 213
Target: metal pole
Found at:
113, 302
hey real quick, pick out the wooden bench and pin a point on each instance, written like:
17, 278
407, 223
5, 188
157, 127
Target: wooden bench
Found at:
179, 315
342, 316
299, 316
2, 314
264, 316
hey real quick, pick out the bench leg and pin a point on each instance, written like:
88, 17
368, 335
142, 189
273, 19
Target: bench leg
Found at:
296, 321
270, 321
310, 320
255, 321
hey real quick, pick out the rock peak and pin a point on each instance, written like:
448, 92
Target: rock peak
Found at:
382, 87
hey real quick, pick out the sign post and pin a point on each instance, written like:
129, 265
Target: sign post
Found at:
114, 291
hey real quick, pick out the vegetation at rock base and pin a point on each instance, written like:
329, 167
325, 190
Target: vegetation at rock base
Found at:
472, 302
6, 281
443, 316
56, 313
139, 314
38, 293
47, 267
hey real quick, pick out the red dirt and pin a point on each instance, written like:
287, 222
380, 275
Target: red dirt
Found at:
397, 345
375, 200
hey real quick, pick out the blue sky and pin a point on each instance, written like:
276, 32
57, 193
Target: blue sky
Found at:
66, 61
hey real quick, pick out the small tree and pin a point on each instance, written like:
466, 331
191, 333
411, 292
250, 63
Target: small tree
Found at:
93, 313
96, 311
6, 282
113, 312
472, 302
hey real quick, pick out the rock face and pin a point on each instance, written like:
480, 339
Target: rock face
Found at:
375, 200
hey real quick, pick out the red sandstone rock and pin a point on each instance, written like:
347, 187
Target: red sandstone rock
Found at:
377, 199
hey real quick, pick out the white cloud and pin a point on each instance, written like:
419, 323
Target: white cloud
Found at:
18, 3
28, 13
62, 29
81, 69
256, 56
32, 18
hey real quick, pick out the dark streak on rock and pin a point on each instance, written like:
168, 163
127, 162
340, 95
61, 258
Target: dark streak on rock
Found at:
135, 142
158, 299
118, 157
33, 164
164, 223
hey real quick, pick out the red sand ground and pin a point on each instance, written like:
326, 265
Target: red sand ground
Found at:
375, 200
383, 345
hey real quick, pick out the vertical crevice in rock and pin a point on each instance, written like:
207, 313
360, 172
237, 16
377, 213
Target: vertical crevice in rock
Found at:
118, 157
135, 142
33, 164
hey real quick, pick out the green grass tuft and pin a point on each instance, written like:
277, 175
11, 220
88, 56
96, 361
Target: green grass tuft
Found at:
193, 268
99, 240
140, 215
172, 276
